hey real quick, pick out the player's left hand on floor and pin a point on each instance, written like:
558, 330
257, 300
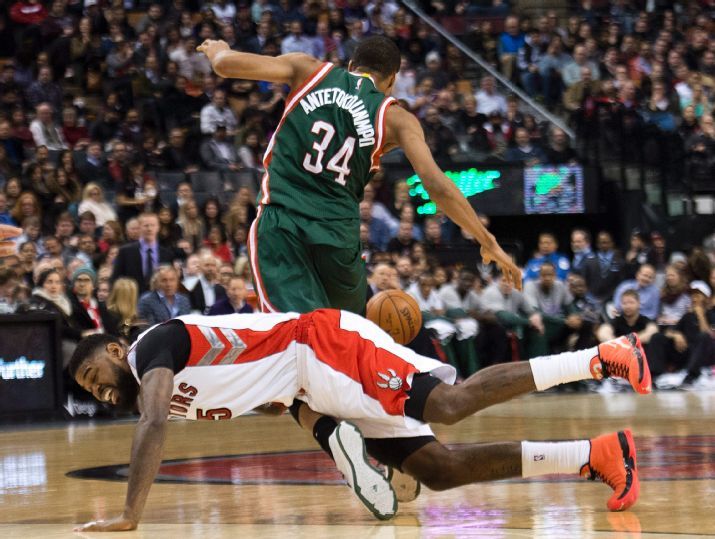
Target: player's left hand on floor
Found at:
118, 524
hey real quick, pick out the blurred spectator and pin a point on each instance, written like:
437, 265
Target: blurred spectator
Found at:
218, 153
44, 91
516, 314
629, 321
44, 130
8, 283
93, 201
94, 168
164, 301
207, 290
648, 293
524, 151
217, 114
122, 303
547, 247
511, 41
571, 72
488, 98
297, 41
176, 155
5, 217
550, 297
584, 317
137, 260
581, 249
603, 272
379, 229
440, 139
235, 302
401, 245
89, 316
674, 297
559, 151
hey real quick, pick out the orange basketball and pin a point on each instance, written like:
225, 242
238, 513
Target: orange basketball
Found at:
397, 313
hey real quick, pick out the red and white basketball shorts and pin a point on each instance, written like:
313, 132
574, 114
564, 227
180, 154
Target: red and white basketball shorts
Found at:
370, 392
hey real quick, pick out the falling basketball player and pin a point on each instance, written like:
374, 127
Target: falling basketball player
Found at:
340, 364
304, 244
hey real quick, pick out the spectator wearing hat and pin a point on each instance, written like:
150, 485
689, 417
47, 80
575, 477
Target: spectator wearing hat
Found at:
89, 316
433, 70
689, 344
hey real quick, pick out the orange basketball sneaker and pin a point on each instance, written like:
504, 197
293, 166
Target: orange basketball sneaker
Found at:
613, 461
623, 357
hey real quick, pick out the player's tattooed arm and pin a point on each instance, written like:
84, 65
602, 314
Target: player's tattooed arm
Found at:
405, 131
147, 447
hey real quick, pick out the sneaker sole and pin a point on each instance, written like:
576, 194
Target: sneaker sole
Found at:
406, 487
632, 490
644, 381
368, 483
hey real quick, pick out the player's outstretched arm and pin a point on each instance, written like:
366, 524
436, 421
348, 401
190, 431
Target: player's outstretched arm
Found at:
405, 131
289, 69
155, 396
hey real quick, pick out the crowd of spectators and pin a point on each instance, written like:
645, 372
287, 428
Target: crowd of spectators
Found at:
130, 166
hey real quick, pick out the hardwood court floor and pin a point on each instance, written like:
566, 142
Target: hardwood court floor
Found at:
236, 495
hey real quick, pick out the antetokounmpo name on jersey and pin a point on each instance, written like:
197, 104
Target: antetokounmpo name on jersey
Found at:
351, 103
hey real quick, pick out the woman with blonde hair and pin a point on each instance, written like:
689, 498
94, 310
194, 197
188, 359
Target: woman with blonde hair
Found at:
93, 202
192, 226
122, 303
27, 205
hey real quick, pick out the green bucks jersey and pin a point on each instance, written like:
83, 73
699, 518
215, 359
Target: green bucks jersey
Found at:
325, 149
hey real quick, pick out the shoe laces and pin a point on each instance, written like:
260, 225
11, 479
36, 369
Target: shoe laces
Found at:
595, 474
615, 368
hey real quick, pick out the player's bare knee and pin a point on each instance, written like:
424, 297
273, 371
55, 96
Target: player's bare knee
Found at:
447, 409
442, 476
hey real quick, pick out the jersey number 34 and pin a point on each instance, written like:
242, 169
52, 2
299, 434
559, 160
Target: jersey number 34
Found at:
339, 162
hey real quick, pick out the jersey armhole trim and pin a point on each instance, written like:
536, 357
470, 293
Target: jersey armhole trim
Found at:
380, 130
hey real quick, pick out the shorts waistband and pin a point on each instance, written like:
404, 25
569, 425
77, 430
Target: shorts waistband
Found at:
302, 327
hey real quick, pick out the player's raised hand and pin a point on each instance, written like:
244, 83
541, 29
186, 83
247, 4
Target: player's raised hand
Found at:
211, 47
118, 524
505, 263
7, 248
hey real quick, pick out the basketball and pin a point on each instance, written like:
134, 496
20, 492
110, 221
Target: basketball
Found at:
397, 313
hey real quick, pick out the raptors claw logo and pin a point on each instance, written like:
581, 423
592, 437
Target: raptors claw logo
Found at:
394, 382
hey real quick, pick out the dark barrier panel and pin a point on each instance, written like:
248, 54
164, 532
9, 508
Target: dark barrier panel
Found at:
30, 366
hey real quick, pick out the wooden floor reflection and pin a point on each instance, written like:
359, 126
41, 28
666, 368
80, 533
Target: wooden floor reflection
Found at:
675, 433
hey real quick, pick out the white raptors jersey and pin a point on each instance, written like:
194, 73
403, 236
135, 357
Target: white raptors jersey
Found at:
237, 362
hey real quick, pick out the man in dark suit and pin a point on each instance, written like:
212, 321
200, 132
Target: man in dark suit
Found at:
94, 168
138, 260
217, 153
164, 302
604, 272
206, 291
89, 315
236, 300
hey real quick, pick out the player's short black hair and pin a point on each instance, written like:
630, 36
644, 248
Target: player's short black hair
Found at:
86, 348
377, 54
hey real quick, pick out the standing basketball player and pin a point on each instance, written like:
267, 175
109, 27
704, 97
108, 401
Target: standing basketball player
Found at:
304, 245
218, 367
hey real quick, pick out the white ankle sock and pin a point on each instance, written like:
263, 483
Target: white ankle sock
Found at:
542, 458
550, 371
